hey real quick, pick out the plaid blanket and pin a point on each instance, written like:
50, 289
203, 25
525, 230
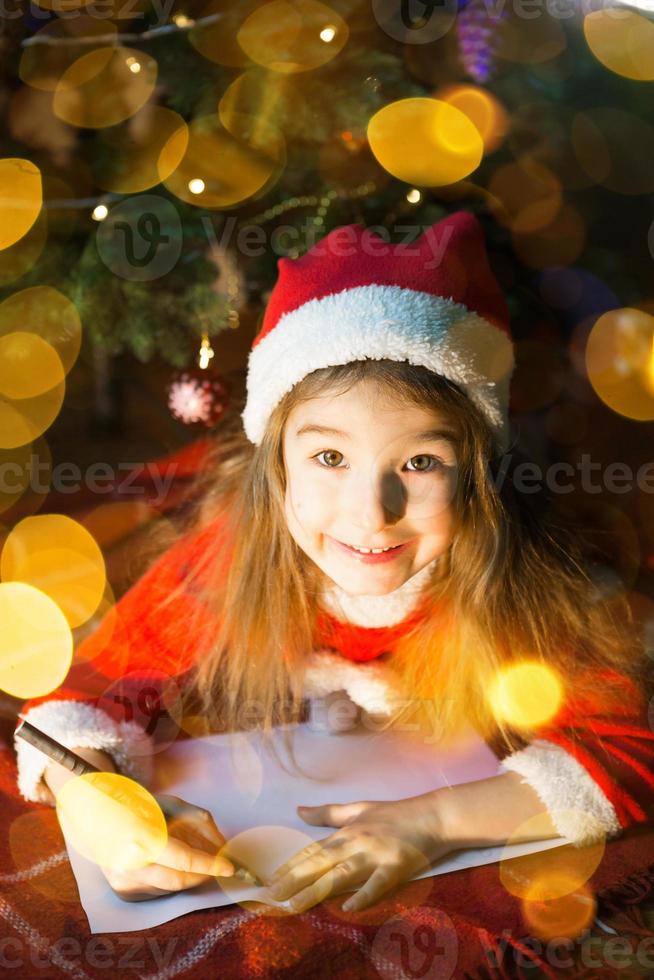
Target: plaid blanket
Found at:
461, 925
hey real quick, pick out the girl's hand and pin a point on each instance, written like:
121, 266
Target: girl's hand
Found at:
380, 844
190, 857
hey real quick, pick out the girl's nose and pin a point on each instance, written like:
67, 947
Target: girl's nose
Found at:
380, 501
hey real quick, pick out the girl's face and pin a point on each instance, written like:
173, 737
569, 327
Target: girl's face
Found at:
366, 473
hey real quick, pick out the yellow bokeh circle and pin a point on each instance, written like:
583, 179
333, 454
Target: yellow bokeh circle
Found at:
104, 87
57, 555
551, 874
36, 644
620, 361
526, 694
222, 168
623, 41
426, 142
29, 366
482, 108
21, 197
43, 63
47, 313
564, 917
142, 155
112, 820
22, 421
293, 37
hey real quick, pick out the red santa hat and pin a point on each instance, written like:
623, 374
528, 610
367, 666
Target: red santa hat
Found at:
355, 296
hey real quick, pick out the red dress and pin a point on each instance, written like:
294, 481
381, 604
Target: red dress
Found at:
592, 765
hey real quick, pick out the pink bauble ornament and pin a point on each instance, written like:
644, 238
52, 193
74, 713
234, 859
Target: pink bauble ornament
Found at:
198, 396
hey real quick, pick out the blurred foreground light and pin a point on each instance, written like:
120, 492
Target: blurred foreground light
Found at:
112, 820
526, 695
36, 644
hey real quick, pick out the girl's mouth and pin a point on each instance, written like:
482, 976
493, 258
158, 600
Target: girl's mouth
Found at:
371, 557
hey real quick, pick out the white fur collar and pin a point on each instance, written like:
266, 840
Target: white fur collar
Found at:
377, 610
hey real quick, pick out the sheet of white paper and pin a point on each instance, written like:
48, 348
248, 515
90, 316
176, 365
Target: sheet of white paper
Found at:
253, 801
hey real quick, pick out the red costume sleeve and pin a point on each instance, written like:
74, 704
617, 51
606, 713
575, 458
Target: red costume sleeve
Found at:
112, 697
593, 763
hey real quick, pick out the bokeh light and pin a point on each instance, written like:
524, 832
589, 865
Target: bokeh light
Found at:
531, 40
29, 365
293, 37
36, 644
622, 41
57, 555
560, 242
234, 165
42, 64
101, 88
557, 872
18, 259
615, 149
23, 420
525, 695
425, 142
216, 40
281, 100
619, 361
482, 108
21, 197
564, 917
529, 193
142, 152
542, 131
48, 314
112, 820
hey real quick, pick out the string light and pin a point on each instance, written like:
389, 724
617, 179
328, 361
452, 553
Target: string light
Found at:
327, 34
414, 196
196, 186
100, 212
181, 23
206, 352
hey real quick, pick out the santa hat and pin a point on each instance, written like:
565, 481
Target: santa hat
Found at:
355, 296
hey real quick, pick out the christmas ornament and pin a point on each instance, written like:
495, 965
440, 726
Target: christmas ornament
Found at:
199, 395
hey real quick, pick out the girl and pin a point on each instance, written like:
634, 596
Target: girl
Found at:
363, 540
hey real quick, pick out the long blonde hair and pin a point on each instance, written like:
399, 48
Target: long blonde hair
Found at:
511, 587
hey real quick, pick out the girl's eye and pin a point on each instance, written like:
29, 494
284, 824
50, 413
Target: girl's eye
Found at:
429, 460
328, 452
432, 462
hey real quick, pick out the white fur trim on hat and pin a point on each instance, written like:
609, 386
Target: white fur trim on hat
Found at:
77, 723
579, 808
381, 322
373, 686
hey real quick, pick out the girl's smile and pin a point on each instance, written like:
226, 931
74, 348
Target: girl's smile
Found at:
365, 475
374, 555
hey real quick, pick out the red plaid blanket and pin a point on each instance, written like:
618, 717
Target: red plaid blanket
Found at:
459, 925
